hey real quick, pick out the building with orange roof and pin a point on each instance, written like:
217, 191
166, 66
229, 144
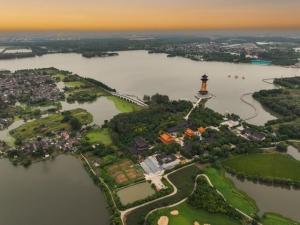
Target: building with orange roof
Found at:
166, 138
189, 132
201, 130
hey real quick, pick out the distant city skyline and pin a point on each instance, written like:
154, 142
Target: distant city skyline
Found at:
121, 15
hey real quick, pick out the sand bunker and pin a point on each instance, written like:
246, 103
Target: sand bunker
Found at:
174, 213
163, 220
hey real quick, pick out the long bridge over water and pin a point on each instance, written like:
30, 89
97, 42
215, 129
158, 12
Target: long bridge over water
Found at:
130, 98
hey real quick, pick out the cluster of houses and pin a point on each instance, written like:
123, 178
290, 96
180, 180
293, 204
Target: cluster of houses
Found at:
244, 132
30, 87
5, 122
43, 146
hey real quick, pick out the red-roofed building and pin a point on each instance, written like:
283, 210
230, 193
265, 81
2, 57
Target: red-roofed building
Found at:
166, 138
201, 130
189, 132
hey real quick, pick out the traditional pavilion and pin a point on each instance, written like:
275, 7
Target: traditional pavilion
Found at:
189, 132
166, 138
203, 89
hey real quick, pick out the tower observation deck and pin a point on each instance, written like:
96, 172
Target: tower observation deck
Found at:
203, 92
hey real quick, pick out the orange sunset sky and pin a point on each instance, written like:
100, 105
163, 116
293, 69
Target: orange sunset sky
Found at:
147, 14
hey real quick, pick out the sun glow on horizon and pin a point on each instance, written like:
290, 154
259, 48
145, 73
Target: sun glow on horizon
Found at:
146, 15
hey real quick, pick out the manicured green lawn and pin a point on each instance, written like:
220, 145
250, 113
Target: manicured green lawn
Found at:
99, 136
59, 75
124, 106
275, 219
188, 215
48, 124
271, 165
74, 84
236, 198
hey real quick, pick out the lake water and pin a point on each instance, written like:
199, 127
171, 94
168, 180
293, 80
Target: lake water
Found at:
50, 193
135, 192
102, 109
139, 73
272, 199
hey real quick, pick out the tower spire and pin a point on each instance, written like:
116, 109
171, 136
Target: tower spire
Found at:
203, 89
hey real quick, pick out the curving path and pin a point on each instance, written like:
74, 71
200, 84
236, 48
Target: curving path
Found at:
127, 211
195, 186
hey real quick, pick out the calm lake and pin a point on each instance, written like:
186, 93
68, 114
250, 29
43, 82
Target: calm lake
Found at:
50, 193
139, 73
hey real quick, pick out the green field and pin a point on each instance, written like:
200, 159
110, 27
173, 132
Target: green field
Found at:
59, 76
275, 219
75, 84
99, 136
236, 198
124, 106
183, 179
274, 166
188, 215
52, 123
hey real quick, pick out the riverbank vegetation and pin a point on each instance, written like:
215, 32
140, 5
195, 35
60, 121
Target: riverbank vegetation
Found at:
272, 168
124, 106
285, 104
276, 219
235, 198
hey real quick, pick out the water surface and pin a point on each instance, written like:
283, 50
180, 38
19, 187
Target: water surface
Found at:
50, 193
135, 192
102, 109
139, 73
272, 199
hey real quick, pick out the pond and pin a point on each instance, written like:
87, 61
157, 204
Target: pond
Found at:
270, 198
50, 192
135, 192
102, 109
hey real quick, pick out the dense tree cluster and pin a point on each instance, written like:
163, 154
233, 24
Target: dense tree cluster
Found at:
207, 198
148, 123
288, 82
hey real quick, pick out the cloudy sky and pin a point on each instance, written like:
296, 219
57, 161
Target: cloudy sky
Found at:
148, 14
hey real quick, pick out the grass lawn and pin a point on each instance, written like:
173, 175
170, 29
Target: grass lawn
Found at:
275, 219
188, 215
75, 84
99, 136
124, 106
52, 123
60, 76
236, 198
272, 165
